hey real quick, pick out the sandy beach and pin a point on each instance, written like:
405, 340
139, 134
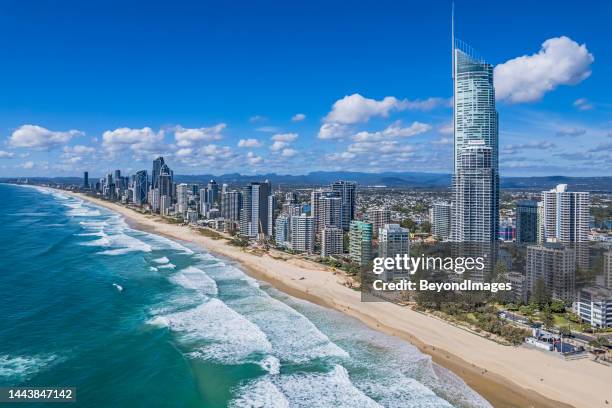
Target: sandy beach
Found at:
505, 376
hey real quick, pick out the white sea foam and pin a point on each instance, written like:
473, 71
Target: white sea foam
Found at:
161, 260
196, 279
124, 244
229, 337
161, 243
23, 367
261, 393
308, 390
294, 338
271, 364
152, 268
166, 266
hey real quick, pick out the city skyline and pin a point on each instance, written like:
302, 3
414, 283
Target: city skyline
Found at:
381, 117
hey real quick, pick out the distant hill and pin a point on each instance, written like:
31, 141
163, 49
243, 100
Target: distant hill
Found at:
389, 179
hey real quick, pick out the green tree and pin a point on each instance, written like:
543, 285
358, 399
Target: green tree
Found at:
539, 297
547, 317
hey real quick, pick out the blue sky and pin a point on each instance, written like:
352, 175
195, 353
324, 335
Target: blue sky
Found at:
292, 87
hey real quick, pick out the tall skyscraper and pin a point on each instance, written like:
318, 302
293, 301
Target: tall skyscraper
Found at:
476, 177
213, 192
329, 211
254, 214
271, 214
348, 193
164, 181
607, 268
182, 198
157, 164
526, 222
86, 180
360, 243
231, 204
140, 187
282, 230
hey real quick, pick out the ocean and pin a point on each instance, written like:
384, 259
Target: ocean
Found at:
133, 319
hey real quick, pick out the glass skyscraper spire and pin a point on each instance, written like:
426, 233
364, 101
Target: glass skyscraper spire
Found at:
476, 176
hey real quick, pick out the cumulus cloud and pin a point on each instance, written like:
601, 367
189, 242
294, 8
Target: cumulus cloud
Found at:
560, 61
278, 145
37, 137
444, 141
27, 165
446, 128
285, 137
79, 149
333, 131
583, 104
5, 155
355, 108
138, 140
253, 159
392, 131
571, 132
268, 129
249, 143
298, 117
289, 152
188, 137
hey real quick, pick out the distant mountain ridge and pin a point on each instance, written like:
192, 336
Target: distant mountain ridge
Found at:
388, 179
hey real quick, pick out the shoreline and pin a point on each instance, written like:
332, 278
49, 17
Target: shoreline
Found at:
505, 376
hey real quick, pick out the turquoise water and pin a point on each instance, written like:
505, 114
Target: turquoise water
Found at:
186, 329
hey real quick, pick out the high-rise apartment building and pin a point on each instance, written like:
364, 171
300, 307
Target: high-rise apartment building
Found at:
231, 204
282, 230
182, 197
378, 217
254, 214
566, 215
607, 268
360, 243
440, 218
393, 240
554, 266
347, 190
475, 207
212, 190
331, 242
140, 187
86, 180
526, 222
302, 233
157, 165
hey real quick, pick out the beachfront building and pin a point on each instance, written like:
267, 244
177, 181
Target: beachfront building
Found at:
360, 243
182, 198
140, 188
393, 240
519, 290
271, 214
231, 204
378, 217
595, 306
331, 242
440, 219
553, 266
475, 209
282, 231
302, 233
165, 203
203, 204
254, 213
607, 268
526, 222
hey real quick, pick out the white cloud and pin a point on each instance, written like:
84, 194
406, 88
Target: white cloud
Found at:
342, 156
571, 131
560, 61
285, 137
257, 118
444, 141
298, 117
187, 137
253, 159
37, 137
5, 155
446, 128
278, 145
333, 131
138, 140
355, 108
268, 129
79, 149
393, 130
27, 165
184, 152
583, 104
289, 152
249, 143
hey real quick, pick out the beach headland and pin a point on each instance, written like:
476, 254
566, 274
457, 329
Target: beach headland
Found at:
506, 376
